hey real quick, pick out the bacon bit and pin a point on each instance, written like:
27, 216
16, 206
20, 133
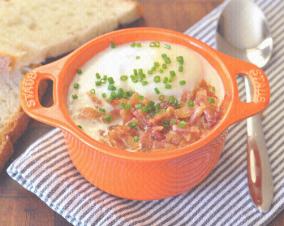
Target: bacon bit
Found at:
94, 98
125, 115
186, 96
159, 144
173, 138
211, 116
89, 113
131, 143
142, 120
197, 113
146, 141
145, 101
163, 115
134, 99
183, 112
115, 113
115, 102
157, 133
201, 97
117, 134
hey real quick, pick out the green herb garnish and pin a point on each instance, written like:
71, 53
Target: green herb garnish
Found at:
211, 100
133, 124
123, 77
79, 71
76, 85
157, 91
182, 124
190, 103
135, 138
74, 96
107, 118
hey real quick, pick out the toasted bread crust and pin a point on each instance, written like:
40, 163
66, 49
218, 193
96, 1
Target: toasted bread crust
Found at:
6, 150
9, 135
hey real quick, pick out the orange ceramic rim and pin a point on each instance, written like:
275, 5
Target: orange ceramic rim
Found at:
60, 72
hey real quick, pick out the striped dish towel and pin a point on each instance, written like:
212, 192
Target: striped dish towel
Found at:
222, 199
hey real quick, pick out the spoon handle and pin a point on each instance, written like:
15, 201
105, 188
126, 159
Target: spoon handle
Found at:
258, 167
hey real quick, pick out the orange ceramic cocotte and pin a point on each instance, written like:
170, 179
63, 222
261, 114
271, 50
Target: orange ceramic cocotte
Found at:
140, 175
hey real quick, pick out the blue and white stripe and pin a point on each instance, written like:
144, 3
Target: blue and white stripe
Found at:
222, 199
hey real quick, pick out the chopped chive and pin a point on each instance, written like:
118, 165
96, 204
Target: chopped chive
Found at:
144, 83
182, 124
134, 44
110, 80
164, 66
112, 45
104, 95
74, 96
173, 121
157, 90
150, 72
141, 97
161, 71
138, 57
145, 109
157, 79
155, 44
182, 82
98, 83
172, 74
138, 106
162, 97
167, 46
123, 77
125, 106
180, 68
165, 80
105, 77
157, 108
168, 86
93, 91
79, 126
128, 94
211, 100
111, 87
166, 124
173, 101
135, 71
79, 71
102, 110
107, 118
135, 138
120, 93
133, 124
180, 60
98, 76
156, 64
190, 103
113, 95
76, 85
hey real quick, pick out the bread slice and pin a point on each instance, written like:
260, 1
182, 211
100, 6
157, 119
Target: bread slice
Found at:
33, 31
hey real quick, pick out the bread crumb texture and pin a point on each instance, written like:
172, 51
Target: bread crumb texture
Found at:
32, 31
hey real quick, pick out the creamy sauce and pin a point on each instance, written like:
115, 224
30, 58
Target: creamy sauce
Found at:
122, 60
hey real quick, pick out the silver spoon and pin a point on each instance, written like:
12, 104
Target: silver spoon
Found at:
243, 33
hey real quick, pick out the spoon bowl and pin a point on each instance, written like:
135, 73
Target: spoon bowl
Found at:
243, 32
